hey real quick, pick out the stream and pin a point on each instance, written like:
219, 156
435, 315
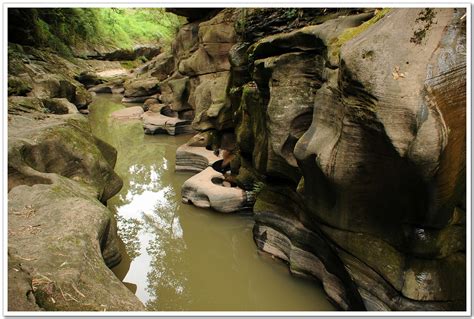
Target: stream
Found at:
181, 257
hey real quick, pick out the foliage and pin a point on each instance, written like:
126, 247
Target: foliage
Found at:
62, 28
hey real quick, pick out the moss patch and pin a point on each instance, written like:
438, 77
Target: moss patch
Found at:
336, 43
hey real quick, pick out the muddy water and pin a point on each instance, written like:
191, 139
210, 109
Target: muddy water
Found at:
183, 257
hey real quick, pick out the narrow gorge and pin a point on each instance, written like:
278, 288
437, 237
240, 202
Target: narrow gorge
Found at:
237, 159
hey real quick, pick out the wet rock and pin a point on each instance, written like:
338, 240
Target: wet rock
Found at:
155, 122
279, 231
129, 113
205, 190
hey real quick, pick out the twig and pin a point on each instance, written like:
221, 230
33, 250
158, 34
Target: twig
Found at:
77, 290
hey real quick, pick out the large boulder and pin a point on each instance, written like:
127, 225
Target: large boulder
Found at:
141, 87
208, 189
41, 144
58, 86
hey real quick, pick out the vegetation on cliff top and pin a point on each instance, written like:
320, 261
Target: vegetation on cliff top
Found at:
62, 28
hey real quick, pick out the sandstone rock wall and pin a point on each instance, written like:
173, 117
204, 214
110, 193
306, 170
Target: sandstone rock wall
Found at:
362, 126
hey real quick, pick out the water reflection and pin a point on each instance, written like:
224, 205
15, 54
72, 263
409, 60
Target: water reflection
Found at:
146, 209
183, 257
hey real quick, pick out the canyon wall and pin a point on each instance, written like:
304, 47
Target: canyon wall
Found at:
350, 130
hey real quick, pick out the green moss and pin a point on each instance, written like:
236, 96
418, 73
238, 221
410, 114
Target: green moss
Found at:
17, 86
336, 43
129, 65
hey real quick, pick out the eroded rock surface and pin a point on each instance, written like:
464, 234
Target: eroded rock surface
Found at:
193, 156
155, 122
374, 158
208, 189
366, 127
62, 239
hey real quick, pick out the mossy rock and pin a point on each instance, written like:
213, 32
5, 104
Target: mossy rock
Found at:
18, 86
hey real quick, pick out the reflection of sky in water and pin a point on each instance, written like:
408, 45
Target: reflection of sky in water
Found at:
155, 206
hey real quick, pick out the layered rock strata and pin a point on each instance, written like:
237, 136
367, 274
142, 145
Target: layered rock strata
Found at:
363, 127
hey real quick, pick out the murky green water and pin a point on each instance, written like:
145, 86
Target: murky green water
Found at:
183, 257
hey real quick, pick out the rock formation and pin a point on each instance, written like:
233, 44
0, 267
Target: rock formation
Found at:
361, 128
346, 129
62, 240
